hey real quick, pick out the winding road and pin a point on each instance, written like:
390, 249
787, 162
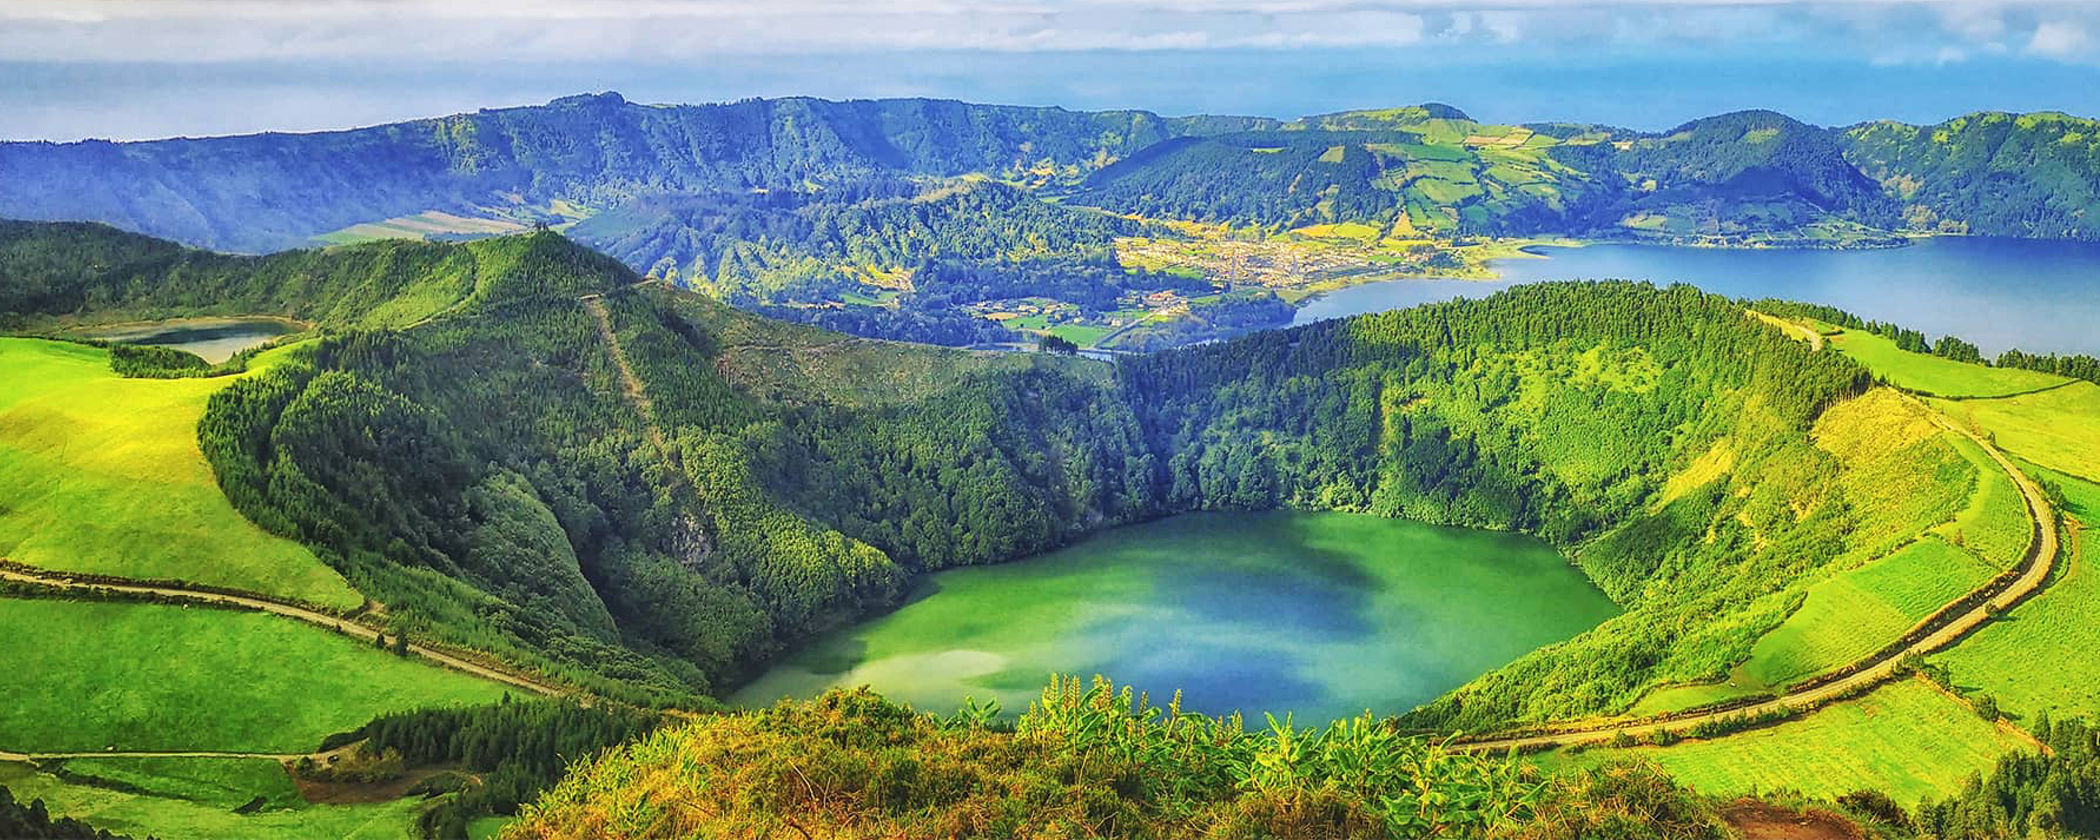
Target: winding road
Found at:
2037, 565
320, 619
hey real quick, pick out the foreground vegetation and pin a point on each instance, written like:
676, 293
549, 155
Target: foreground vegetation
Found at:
1083, 761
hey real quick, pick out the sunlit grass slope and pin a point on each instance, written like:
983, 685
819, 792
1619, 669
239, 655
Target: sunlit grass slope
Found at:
2058, 428
89, 675
102, 474
2039, 657
186, 802
1936, 375
1908, 739
1851, 615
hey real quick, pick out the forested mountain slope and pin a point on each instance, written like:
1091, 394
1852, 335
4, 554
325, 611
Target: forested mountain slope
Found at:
271, 191
1735, 175
1988, 173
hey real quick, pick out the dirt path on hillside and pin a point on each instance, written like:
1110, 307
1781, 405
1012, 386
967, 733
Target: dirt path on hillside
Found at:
630, 384
323, 620
1940, 630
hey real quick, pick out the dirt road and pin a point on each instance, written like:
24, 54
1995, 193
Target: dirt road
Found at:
2039, 562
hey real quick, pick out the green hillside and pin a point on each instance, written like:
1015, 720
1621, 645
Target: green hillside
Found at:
521, 449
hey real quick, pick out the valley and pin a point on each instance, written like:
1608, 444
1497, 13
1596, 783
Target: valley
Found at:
727, 482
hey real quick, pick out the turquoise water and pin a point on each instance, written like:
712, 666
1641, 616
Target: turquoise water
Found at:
2039, 296
1319, 615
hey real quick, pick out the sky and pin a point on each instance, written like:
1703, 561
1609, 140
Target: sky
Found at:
135, 69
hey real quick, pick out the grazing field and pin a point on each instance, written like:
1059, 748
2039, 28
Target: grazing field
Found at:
1907, 739
1858, 611
102, 474
221, 782
1994, 524
2039, 657
1936, 375
2058, 428
89, 676
171, 815
422, 225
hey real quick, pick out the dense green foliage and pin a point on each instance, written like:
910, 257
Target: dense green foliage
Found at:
33, 822
1988, 173
1089, 761
2050, 793
517, 749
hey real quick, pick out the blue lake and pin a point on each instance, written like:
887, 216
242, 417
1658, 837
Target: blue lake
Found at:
2038, 296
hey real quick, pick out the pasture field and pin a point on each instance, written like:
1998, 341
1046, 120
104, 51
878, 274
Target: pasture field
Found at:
2039, 657
1084, 335
102, 474
1994, 524
2081, 496
420, 226
1908, 739
174, 816
1854, 613
1936, 375
221, 782
2058, 429
86, 676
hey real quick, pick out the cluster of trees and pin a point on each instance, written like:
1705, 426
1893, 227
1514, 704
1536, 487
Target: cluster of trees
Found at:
2076, 366
2047, 793
1992, 173
33, 821
517, 749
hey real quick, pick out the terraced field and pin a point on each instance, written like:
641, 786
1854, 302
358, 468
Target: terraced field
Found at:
1908, 739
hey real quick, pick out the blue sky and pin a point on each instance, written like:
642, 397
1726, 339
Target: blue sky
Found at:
148, 68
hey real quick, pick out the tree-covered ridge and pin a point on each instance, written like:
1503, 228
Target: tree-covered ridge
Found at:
1752, 173
271, 191
783, 247
87, 273
1989, 173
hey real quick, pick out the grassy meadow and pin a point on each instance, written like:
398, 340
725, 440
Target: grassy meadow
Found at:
1854, 613
2039, 657
1936, 375
102, 474
2058, 429
179, 802
219, 782
88, 676
1908, 739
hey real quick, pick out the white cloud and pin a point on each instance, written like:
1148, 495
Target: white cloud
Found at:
2060, 39
194, 31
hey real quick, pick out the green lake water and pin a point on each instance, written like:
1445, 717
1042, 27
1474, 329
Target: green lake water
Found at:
1320, 615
